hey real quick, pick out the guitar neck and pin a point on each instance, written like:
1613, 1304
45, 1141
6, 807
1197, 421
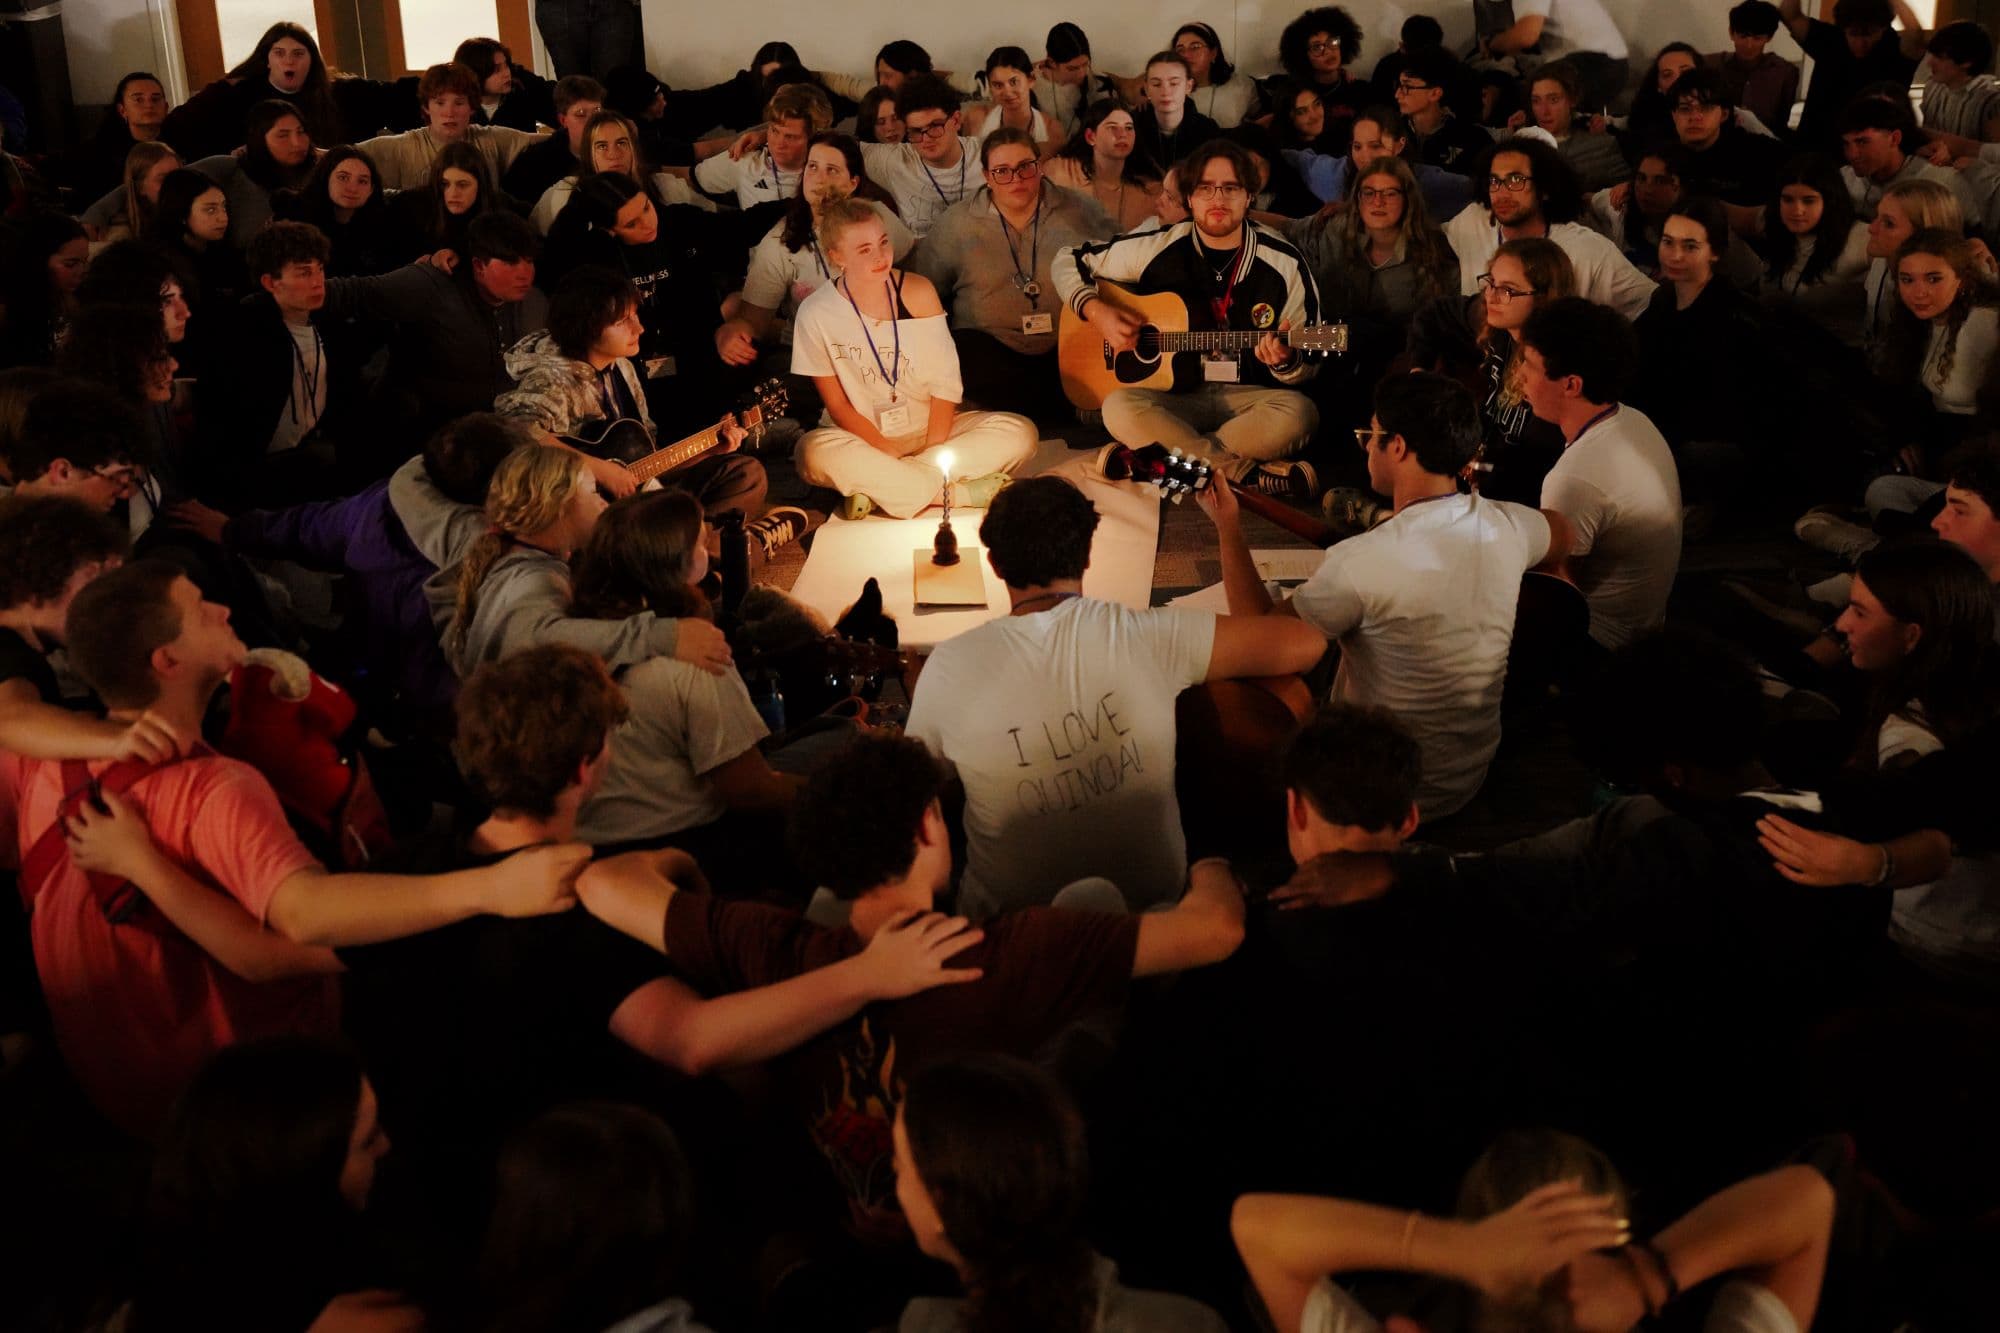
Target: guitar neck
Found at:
1291, 520
674, 455
1213, 340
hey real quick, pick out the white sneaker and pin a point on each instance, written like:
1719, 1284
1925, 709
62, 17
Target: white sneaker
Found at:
1827, 531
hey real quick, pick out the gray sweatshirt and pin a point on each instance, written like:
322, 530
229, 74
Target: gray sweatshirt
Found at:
524, 601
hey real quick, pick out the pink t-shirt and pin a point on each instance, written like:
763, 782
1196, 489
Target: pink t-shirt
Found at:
137, 1006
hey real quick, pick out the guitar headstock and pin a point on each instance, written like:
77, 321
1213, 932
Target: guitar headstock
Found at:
1318, 339
767, 400
1175, 474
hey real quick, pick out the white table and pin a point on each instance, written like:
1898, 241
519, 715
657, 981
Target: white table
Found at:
846, 554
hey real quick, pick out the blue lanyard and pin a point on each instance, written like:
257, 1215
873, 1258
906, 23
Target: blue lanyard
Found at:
819, 259
868, 336
962, 157
1025, 283
777, 185
1589, 425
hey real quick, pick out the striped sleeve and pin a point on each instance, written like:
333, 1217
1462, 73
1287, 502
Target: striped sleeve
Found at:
1077, 268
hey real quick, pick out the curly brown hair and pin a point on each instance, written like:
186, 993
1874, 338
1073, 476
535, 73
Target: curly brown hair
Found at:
45, 539
528, 722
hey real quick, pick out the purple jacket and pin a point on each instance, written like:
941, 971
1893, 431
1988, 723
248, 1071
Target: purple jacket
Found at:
389, 650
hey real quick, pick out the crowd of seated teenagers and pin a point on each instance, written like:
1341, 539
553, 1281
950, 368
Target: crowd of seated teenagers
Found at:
1789, 899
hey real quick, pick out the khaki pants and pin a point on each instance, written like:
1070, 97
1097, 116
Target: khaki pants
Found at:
981, 442
1234, 426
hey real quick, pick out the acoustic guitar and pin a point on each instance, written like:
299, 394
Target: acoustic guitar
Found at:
628, 441
1169, 352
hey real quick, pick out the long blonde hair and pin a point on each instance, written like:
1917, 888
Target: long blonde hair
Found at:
530, 490
143, 157
1423, 244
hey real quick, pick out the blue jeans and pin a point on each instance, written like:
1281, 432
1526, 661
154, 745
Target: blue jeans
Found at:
590, 37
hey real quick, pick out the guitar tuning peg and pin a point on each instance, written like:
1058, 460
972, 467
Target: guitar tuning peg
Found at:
1178, 495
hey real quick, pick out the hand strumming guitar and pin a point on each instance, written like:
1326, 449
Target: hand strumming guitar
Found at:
611, 476
1119, 327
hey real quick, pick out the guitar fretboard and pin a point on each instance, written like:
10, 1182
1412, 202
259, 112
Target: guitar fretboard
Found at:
677, 453
1212, 340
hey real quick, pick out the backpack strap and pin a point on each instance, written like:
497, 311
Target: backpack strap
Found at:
117, 898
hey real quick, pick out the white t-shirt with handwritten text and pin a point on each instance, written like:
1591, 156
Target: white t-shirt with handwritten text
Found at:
1061, 726
831, 337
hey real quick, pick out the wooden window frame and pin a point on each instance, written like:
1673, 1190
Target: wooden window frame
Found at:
201, 37
516, 33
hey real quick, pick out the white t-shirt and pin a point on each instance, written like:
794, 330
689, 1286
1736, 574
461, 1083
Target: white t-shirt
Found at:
1603, 273
1061, 726
781, 279
831, 337
673, 190
1228, 103
684, 722
753, 178
921, 190
1972, 357
1423, 607
1949, 922
306, 403
1039, 127
1617, 485
1573, 25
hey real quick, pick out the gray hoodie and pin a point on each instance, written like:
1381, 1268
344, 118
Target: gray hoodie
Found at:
524, 601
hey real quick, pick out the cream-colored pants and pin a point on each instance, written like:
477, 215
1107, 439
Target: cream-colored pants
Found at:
980, 443
1234, 426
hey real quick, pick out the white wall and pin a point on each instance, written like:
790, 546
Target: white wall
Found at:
108, 39
690, 44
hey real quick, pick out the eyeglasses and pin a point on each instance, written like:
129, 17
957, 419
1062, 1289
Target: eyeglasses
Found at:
1513, 182
1487, 284
1190, 48
1370, 194
1027, 171
1205, 190
1367, 435
1320, 46
1407, 86
122, 475
930, 131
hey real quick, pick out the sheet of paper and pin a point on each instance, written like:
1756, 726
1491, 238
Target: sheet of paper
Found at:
1293, 564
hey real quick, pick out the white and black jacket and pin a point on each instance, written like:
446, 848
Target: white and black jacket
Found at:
1275, 286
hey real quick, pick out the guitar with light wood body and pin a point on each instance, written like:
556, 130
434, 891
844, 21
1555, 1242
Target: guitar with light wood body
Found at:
1169, 352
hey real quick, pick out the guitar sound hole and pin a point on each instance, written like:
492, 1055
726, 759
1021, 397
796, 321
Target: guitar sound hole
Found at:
1149, 343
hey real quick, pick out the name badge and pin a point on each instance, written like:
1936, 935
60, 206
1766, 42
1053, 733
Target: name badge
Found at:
1042, 323
659, 367
1220, 370
894, 421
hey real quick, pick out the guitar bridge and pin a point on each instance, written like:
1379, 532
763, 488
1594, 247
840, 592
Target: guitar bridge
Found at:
1110, 357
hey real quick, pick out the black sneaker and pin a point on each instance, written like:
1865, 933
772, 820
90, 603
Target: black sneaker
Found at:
1290, 479
780, 527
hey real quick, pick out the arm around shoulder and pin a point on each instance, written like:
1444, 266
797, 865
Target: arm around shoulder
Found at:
1205, 926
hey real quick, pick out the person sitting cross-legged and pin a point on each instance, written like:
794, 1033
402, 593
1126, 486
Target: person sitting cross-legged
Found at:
579, 373
1233, 274
1422, 605
1059, 718
878, 349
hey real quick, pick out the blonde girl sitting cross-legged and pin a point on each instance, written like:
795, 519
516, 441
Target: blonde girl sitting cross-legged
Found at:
876, 346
